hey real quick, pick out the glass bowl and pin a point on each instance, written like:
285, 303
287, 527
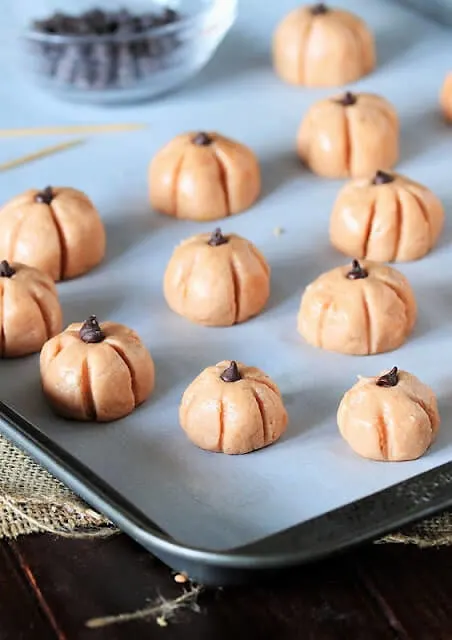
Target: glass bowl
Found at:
123, 66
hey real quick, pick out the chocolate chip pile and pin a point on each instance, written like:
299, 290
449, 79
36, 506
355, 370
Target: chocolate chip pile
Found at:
102, 63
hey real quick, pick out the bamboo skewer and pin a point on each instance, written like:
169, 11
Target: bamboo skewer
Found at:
42, 153
71, 129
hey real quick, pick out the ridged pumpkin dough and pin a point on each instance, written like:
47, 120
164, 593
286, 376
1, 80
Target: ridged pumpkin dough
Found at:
445, 97
96, 372
57, 230
388, 218
217, 279
232, 408
350, 135
391, 417
30, 311
203, 176
366, 309
318, 46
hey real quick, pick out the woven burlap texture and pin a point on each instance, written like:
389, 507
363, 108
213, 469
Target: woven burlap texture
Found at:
32, 500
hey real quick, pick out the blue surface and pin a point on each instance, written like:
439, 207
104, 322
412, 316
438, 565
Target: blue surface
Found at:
439, 10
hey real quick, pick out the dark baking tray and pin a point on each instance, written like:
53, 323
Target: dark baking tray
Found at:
336, 531
226, 519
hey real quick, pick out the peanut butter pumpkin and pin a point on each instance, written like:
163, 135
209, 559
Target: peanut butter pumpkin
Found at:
387, 218
392, 417
445, 97
96, 372
232, 408
349, 135
318, 46
203, 176
366, 309
217, 279
30, 311
57, 230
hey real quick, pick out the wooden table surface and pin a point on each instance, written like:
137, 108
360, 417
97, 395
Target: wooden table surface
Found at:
50, 587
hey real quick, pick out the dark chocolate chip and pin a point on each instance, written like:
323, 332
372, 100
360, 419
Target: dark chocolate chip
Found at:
126, 66
53, 55
149, 20
101, 64
231, 373
42, 26
202, 139
123, 16
348, 99
97, 21
381, 177
389, 379
59, 21
146, 63
45, 57
356, 272
318, 9
83, 75
111, 24
6, 270
217, 238
140, 48
68, 25
82, 28
45, 196
67, 65
170, 15
167, 46
126, 25
124, 62
91, 332
137, 24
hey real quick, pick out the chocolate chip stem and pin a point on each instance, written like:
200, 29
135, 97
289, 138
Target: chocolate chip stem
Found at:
45, 196
348, 99
90, 331
231, 373
356, 272
202, 139
318, 9
389, 379
217, 238
6, 270
381, 177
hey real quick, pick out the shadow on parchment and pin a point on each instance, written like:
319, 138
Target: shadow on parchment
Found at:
290, 277
278, 169
135, 223
421, 131
395, 41
311, 407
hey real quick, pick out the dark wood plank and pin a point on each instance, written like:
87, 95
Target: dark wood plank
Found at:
378, 592
325, 602
79, 580
20, 615
83, 579
414, 586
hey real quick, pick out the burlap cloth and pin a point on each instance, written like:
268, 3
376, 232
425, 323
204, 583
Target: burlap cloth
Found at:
32, 500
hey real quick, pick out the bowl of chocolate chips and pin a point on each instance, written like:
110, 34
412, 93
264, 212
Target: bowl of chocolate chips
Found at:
113, 54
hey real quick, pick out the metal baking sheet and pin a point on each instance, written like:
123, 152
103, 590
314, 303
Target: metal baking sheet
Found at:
211, 500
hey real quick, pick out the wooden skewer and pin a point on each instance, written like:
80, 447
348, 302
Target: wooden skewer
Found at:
47, 151
70, 129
